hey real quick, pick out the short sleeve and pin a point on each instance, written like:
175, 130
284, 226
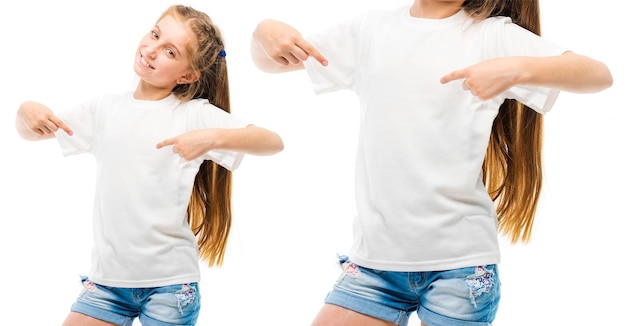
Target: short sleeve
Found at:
209, 116
340, 45
514, 40
82, 119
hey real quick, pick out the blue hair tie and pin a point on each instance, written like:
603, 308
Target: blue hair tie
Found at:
223, 53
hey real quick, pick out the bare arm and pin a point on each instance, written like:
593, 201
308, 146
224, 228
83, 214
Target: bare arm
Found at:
278, 47
250, 140
35, 121
568, 72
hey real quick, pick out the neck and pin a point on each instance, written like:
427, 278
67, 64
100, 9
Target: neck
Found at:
150, 93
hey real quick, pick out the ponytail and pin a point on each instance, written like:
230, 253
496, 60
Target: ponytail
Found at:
209, 212
512, 170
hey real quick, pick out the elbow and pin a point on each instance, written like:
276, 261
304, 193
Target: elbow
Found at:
274, 144
588, 75
265, 64
280, 147
270, 148
607, 80
603, 77
602, 81
260, 59
20, 126
277, 145
27, 134
598, 79
268, 142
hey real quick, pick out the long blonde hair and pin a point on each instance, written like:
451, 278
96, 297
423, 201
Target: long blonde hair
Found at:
512, 170
209, 212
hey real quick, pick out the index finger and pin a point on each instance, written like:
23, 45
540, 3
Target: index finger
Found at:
311, 51
167, 142
61, 125
455, 75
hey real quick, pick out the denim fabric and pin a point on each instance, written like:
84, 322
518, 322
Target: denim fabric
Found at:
161, 306
459, 297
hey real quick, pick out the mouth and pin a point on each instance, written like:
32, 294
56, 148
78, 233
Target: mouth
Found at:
143, 62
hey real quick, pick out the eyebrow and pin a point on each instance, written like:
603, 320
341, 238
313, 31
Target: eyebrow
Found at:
156, 27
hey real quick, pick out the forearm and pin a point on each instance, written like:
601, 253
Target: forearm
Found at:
250, 140
568, 72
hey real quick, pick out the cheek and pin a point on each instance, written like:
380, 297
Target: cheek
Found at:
144, 42
165, 67
177, 69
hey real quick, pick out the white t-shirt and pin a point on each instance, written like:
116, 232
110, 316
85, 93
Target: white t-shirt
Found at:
142, 238
420, 199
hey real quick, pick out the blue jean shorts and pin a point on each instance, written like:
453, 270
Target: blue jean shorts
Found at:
458, 297
159, 306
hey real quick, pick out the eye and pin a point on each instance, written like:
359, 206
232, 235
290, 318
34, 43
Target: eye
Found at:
170, 52
155, 34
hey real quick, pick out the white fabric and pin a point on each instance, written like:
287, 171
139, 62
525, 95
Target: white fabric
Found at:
142, 238
421, 203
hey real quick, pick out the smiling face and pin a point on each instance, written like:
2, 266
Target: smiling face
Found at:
162, 58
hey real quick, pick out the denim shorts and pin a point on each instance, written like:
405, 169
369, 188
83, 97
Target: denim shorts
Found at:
458, 297
159, 306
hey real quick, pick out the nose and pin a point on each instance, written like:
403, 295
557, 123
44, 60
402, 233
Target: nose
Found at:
151, 52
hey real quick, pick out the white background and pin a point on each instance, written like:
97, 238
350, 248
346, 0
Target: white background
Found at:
292, 211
